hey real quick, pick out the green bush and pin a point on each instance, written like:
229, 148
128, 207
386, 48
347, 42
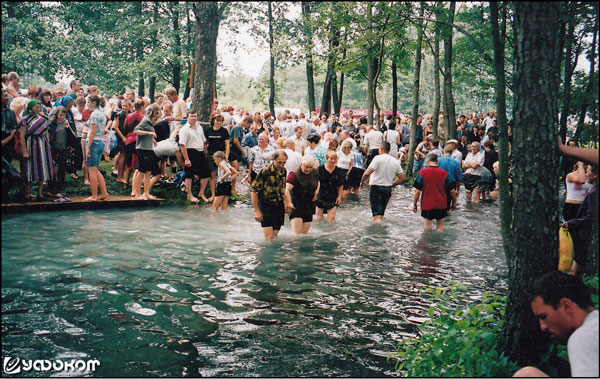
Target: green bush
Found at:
457, 343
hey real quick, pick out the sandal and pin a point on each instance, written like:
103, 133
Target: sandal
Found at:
62, 200
74, 176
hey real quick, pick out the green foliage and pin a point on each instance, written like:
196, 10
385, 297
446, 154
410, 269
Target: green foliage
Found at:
592, 282
457, 342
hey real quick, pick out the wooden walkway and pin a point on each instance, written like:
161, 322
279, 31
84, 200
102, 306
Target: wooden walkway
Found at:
77, 204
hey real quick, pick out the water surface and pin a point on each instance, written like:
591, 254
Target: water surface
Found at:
178, 291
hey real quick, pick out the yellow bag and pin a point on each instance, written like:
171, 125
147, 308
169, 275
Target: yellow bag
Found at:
565, 250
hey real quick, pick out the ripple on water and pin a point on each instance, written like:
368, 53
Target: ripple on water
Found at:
202, 293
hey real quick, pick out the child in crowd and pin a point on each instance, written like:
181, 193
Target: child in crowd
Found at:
225, 173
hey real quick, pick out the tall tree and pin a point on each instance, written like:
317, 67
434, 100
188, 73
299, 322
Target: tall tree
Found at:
449, 106
308, 45
569, 68
416, 81
271, 61
535, 188
500, 92
139, 49
188, 25
152, 84
207, 16
436, 71
592, 86
176, 70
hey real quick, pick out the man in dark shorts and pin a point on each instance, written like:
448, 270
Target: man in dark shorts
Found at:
385, 169
267, 192
193, 142
432, 182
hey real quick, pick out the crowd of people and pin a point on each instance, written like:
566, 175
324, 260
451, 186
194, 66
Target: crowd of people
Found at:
304, 165
58, 132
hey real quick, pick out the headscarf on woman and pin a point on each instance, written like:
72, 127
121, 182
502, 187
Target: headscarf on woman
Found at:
29, 106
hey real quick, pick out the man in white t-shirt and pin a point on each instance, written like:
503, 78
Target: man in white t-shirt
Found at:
488, 121
372, 141
472, 164
384, 168
179, 106
562, 305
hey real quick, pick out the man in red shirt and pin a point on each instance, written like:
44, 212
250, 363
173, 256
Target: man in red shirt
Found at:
431, 183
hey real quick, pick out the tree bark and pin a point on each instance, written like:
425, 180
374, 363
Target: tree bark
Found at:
334, 93
189, 83
415, 99
176, 46
139, 49
535, 169
326, 98
449, 107
436, 77
309, 57
207, 16
591, 86
394, 90
500, 93
271, 61
338, 106
370, 69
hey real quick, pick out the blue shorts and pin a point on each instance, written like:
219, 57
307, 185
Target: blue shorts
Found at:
96, 151
379, 197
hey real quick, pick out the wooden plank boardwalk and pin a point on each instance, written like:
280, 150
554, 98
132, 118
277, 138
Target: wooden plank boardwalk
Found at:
77, 204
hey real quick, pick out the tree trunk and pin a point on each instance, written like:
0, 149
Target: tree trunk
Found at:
394, 90
340, 94
152, 88
449, 107
370, 79
326, 98
500, 92
569, 40
190, 82
535, 169
176, 46
309, 57
589, 90
415, 99
338, 106
139, 49
271, 61
205, 55
436, 78
334, 94
370, 69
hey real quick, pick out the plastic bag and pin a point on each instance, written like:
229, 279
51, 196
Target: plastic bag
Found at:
565, 250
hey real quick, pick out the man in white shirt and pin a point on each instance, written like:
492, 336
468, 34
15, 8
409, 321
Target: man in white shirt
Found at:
489, 120
373, 139
304, 124
193, 142
384, 168
179, 106
562, 305
299, 141
456, 154
472, 164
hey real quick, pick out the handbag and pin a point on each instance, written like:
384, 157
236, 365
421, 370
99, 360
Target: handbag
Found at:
566, 251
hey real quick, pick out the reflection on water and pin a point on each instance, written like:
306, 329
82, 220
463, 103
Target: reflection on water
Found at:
185, 291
